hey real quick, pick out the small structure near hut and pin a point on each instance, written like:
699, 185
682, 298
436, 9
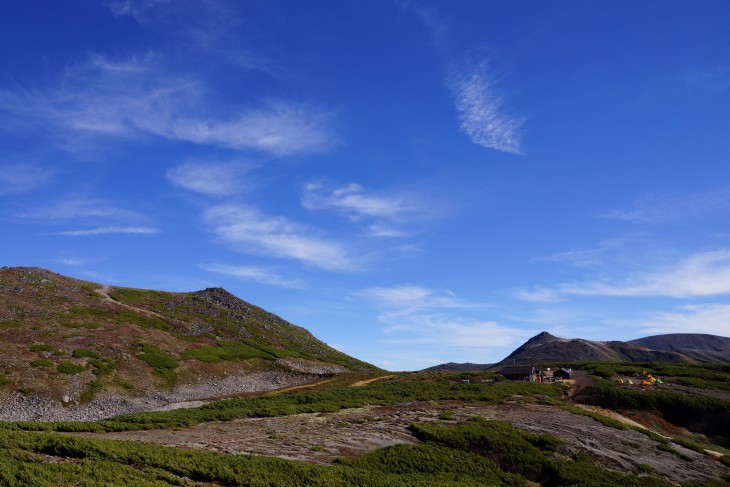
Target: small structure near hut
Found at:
562, 373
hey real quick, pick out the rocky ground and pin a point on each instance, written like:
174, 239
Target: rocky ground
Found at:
32, 407
322, 437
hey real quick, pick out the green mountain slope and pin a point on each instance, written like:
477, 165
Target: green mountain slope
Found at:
70, 340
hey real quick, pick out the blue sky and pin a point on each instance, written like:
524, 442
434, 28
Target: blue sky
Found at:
415, 182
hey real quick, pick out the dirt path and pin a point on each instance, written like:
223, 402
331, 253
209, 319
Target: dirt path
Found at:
581, 379
104, 293
284, 390
365, 382
612, 415
359, 383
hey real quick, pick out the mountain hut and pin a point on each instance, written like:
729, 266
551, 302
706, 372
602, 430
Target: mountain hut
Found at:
519, 372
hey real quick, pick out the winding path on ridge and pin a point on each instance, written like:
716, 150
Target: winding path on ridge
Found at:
104, 293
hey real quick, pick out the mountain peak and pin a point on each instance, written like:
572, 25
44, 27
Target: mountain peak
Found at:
540, 338
221, 297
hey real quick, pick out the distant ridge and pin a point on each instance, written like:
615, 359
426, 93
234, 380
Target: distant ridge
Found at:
673, 347
455, 367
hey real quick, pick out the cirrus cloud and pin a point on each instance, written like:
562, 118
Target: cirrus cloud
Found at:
109, 230
698, 275
209, 178
481, 109
249, 231
136, 98
253, 273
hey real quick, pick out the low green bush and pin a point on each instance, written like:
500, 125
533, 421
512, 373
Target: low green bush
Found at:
143, 321
669, 449
44, 347
632, 444
163, 364
85, 353
224, 351
512, 449
69, 368
41, 362
432, 460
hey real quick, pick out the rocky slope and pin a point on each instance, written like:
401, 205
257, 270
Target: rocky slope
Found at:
77, 349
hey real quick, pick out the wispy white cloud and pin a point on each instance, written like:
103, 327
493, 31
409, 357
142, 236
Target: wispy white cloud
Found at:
110, 230
432, 20
455, 331
605, 253
657, 209
281, 128
275, 236
16, 178
381, 230
423, 316
210, 178
692, 318
388, 211
353, 201
136, 98
481, 110
71, 261
408, 297
139, 9
713, 80
221, 30
79, 208
255, 274
701, 274
538, 295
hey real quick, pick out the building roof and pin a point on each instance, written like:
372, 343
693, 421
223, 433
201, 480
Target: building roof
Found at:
518, 370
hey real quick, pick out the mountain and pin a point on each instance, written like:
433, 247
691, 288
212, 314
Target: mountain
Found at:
67, 340
700, 347
675, 347
456, 367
